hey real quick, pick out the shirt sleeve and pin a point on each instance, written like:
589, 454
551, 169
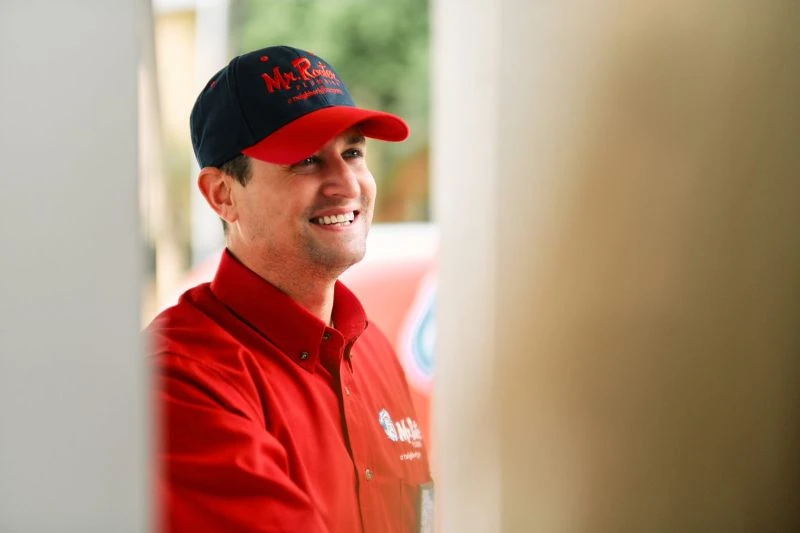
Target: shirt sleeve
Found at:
219, 470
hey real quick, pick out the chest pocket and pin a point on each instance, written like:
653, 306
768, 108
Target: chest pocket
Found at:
397, 508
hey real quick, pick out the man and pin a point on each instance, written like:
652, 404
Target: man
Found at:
283, 409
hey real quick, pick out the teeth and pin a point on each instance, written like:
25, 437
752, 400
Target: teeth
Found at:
343, 219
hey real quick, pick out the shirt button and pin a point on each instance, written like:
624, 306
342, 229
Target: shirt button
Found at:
326, 336
347, 390
304, 356
368, 474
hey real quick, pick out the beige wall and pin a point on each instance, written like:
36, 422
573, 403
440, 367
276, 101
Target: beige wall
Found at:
617, 192
176, 66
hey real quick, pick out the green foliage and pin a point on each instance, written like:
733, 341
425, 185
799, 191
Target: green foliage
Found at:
379, 48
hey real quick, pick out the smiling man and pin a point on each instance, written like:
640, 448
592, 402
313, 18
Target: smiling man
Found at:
283, 409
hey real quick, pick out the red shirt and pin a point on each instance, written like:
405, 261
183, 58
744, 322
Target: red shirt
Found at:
274, 422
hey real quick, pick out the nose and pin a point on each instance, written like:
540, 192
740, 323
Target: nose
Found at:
341, 180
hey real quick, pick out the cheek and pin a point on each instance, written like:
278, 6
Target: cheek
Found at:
369, 188
257, 213
248, 210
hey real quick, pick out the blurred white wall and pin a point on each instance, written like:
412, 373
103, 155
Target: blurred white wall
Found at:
73, 430
617, 191
213, 51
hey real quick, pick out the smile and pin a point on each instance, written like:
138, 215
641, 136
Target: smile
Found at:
343, 219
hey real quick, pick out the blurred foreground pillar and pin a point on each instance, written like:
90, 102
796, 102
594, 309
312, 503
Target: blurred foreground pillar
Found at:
73, 427
619, 315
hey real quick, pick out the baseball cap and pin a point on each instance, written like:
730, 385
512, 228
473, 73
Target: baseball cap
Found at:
279, 104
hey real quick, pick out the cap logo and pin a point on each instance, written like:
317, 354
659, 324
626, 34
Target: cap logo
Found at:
303, 73
278, 104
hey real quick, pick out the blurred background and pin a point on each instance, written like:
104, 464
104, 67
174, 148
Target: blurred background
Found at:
601, 198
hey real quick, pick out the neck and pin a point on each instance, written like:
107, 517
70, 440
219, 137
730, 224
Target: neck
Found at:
311, 289
315, 297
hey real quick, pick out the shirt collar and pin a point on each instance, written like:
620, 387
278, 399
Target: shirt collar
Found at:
279, 318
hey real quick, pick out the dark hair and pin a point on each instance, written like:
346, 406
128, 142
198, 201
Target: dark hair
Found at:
239, 169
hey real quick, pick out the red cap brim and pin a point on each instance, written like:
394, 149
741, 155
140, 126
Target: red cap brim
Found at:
306, 135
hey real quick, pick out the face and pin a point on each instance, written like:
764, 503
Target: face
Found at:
312, 216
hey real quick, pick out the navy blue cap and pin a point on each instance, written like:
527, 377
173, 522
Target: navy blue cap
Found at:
281, 105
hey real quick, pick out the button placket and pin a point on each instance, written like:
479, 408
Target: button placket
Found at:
347, 357
349, 388
354, 416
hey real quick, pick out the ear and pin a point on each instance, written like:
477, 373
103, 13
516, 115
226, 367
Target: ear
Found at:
216, 187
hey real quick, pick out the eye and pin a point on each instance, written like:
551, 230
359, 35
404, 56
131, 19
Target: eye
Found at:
353, 153
307, 162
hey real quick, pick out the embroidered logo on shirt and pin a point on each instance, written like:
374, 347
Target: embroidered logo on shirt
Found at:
404, 430
388, 426
411, 456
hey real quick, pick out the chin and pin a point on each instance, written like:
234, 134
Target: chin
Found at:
337, 260
352, 258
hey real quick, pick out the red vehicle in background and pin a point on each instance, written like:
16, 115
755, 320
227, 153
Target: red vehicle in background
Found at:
396, 283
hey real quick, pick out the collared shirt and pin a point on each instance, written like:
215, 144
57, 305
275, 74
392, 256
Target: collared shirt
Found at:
274, 422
